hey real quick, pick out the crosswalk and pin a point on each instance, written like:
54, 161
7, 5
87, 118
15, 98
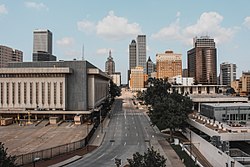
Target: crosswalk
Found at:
129, 113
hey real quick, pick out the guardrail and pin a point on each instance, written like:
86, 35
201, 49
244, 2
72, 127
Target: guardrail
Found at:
54, 151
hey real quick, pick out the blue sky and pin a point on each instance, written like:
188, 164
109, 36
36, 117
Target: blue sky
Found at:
112, 24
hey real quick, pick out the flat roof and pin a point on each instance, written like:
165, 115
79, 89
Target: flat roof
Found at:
227, 104
35, 70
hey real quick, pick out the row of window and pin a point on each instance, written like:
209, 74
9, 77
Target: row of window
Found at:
36, 89
30, 75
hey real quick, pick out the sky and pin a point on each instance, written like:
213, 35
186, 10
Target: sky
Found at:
101, 26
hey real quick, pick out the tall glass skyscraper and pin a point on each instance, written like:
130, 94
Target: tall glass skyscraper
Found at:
202, 61
141, 52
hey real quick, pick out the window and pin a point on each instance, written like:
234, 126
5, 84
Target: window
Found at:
7, 92
37, 93
2, 93
43, 92
25, 92
13, 92
31, 92
61, 93
55, 86
49, 92
19, 93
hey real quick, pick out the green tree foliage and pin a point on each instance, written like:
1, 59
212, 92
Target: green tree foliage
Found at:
150, 159
114, 90
5, 160
169, 110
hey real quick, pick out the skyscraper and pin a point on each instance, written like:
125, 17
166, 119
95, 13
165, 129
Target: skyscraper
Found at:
110, 65
132, 55
202, 61
227, 73
42, 45
141, 52
168, 64
150, 66
8, 54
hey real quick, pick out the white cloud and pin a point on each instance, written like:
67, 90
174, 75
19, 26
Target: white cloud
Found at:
103, 51
209, 23
178, 14
3, 9
111, 27
86, 26
65, 42
247, 22
115, 27
35, 5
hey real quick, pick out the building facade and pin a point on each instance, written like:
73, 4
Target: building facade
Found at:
8, 54
132, 55
136, 79
227, 73
42, 45
110, 65
168, 64
150, 67
64, 87
202, 61
242, 86
116, 78
141, 52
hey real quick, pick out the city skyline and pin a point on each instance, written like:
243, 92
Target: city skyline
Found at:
111, 26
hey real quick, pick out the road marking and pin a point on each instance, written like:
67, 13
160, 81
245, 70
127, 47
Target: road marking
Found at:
125, 115
135, 127
114, 134
113, 158
125, 144
101, 155
126, 134
133, 122
125, 127
112, 144
138, 143
136, 134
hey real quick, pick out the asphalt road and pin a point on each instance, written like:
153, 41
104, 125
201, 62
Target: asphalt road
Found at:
129, 131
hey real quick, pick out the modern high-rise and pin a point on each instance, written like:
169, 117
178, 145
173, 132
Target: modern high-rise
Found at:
42, 45
227, 73
150, 66
168, 64
110, 65
8, 54
132, 55
202, 61
141, 52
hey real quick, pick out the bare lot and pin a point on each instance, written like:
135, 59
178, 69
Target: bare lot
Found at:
30, 138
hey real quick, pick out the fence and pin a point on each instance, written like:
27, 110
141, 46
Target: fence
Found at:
54, 151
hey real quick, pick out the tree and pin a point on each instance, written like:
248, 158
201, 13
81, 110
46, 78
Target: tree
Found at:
150, 159
169, 110
114, 90
6, 160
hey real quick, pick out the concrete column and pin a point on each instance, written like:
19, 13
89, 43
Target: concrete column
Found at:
64, 117
35, 116
199, 107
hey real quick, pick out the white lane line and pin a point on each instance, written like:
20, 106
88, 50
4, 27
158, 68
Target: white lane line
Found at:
126, 134
136, 134
138, 143
113, 158
125, 127
135, 127
125, 144
125, 114
101, 155
114, 134
112, 144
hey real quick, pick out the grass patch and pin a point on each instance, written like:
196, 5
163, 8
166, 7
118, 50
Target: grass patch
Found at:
183, 155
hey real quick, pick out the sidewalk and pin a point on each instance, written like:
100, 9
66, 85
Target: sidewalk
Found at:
164, 148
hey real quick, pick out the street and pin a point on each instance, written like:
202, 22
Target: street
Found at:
129, 131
